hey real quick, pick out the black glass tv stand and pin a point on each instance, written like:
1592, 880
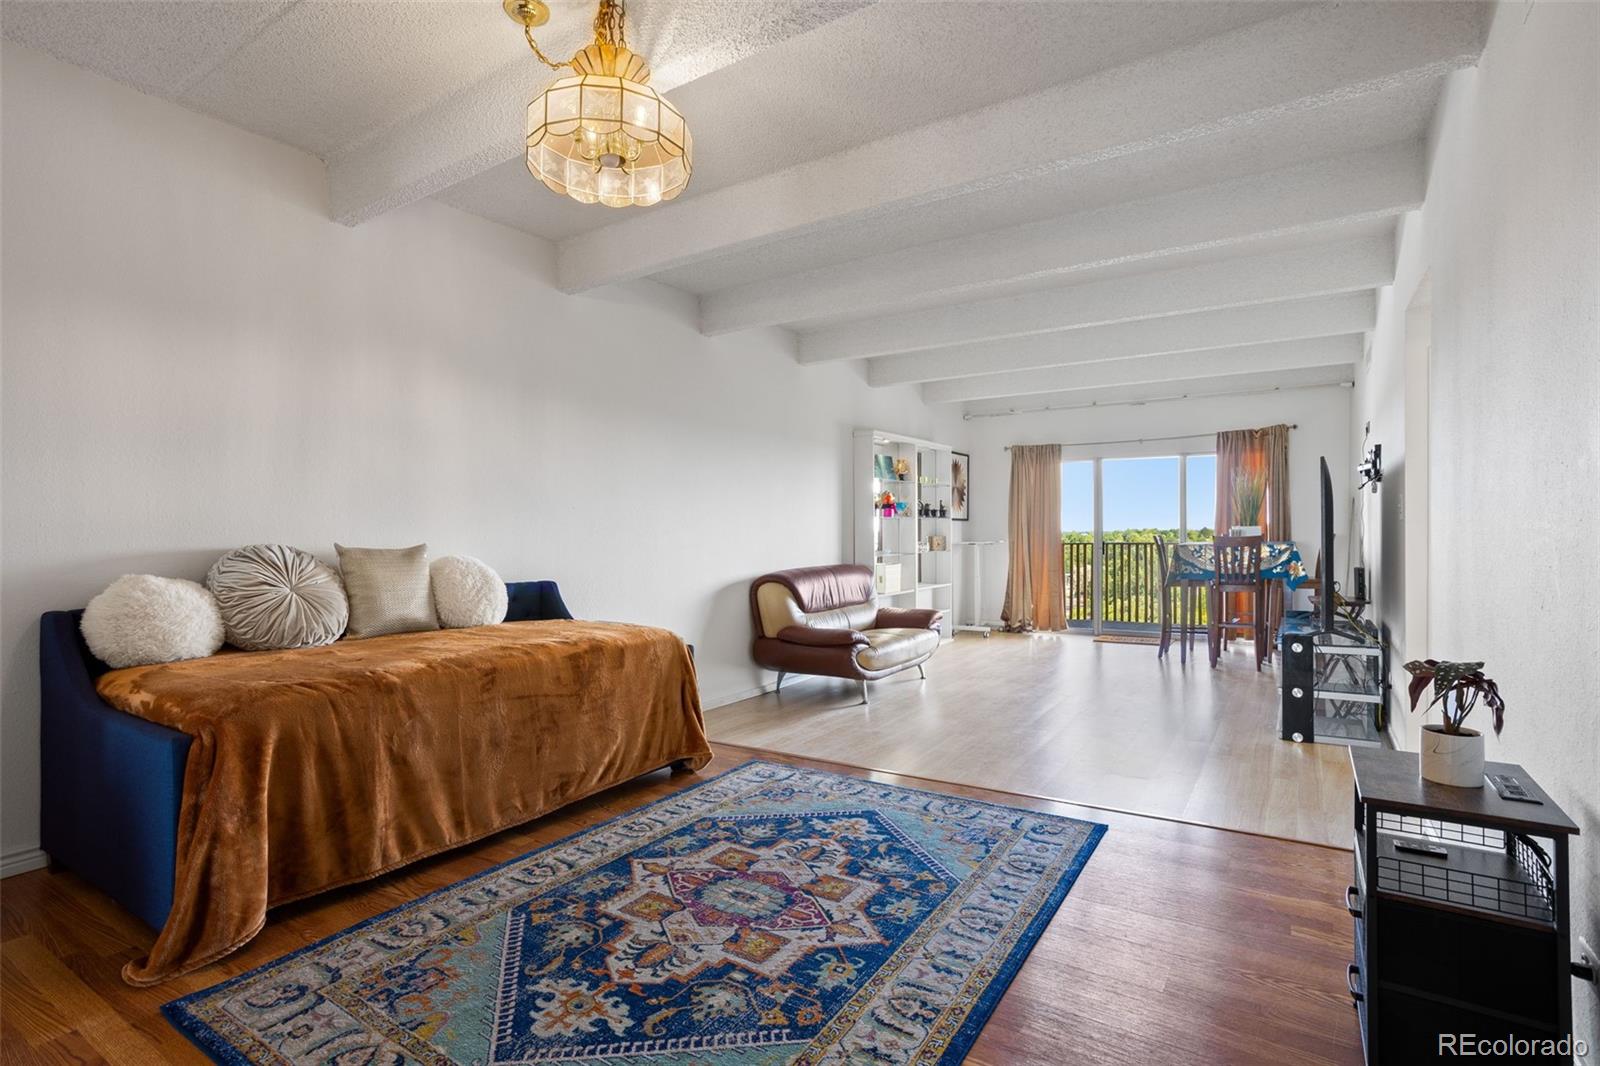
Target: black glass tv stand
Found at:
1332, 688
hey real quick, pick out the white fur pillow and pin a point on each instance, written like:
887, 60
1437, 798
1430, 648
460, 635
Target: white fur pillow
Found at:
466, 592
142, 619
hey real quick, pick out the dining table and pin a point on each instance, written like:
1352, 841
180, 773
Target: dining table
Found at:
1194, 563
1196, 560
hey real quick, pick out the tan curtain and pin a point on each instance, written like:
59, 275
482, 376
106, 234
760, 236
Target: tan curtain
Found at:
1035, 596
1275, 456
1264, 451
1233, 445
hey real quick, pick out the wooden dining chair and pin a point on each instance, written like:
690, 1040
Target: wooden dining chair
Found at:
1237, 570
1191, 594
1164, 590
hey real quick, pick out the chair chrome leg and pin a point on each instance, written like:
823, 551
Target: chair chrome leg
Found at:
779, 686
921, 672
864, 700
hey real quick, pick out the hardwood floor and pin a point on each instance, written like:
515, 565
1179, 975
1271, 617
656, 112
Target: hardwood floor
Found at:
1066, 717
1178, 944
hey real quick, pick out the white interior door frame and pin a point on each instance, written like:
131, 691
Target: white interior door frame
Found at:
1418, 385
1096, 567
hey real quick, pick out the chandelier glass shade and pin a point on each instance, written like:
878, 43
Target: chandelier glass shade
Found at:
604, 136
601, 134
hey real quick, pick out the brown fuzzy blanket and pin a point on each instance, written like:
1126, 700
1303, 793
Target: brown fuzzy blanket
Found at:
317, 767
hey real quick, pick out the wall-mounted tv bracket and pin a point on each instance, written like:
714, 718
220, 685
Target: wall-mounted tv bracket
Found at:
1371, 468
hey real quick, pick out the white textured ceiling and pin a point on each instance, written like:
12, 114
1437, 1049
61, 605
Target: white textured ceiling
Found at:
995, 199
887, 67
329, 75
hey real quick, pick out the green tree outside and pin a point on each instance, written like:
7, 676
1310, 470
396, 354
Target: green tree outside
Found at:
1132, 574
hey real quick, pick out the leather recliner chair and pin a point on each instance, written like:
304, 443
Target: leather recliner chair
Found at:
826, 620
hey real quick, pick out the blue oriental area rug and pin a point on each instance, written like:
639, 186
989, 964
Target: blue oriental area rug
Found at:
773, 914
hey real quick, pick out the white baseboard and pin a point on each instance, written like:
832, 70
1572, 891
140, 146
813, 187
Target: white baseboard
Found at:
722, 699
20, 862
710, 702
1393, 735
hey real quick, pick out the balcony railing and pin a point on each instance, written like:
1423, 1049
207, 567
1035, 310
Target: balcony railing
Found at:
1132, 584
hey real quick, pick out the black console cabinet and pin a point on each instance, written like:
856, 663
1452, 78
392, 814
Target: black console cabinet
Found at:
1471, 941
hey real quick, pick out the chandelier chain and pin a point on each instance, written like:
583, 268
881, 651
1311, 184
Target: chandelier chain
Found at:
610, 26
610, 23
527, 31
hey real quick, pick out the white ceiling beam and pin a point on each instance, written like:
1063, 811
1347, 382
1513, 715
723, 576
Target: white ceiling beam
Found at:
1303, 199
1320, 316
1291, 65
482, 125
1300, 272
458, 138
1276, 356
1159, 391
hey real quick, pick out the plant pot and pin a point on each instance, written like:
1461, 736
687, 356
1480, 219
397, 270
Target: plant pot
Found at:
1245, 531
1454, 759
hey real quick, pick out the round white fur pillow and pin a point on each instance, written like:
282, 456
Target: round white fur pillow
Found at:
466, 592
273, 596
142, 619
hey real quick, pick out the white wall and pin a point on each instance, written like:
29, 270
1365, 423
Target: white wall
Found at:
196, 358
1508, 242
1378, 416
1323, 415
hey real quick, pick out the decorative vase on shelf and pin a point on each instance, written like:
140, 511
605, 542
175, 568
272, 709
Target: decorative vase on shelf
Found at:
1454, 759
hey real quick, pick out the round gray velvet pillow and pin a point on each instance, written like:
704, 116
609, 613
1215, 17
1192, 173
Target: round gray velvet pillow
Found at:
273, 596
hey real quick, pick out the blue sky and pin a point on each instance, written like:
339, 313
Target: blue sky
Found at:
1138, 493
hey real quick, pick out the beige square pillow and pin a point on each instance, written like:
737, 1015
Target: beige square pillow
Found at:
388, 590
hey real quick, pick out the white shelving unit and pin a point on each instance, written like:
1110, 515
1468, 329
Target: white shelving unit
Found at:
910, 564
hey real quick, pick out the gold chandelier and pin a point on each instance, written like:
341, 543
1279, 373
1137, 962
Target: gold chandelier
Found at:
601, 134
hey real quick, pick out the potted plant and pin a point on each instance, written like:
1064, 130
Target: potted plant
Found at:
1249, 491
1451, 753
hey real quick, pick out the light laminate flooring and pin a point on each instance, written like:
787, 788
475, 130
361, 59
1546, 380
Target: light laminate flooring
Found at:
1061, 716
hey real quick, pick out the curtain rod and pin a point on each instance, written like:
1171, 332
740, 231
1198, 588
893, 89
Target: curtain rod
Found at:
1008, 412
1142, 440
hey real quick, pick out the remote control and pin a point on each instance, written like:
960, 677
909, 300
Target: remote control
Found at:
1510, 788
1422, 847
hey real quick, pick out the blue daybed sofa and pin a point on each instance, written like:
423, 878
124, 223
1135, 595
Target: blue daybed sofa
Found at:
112, 782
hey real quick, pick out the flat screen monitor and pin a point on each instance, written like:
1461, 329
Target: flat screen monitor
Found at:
1326, 568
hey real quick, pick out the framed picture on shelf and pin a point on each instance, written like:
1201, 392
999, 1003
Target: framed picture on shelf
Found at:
960, 487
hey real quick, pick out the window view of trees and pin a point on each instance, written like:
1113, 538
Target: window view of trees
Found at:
1131, 488
1132, 574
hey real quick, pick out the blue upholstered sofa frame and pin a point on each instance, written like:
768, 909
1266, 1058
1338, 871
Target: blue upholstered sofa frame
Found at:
113, 782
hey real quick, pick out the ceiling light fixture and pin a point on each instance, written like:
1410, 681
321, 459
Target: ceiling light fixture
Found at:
601, 134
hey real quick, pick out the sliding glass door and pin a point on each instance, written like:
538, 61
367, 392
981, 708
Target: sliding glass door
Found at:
1078, 540
1112, 509
1140, 498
